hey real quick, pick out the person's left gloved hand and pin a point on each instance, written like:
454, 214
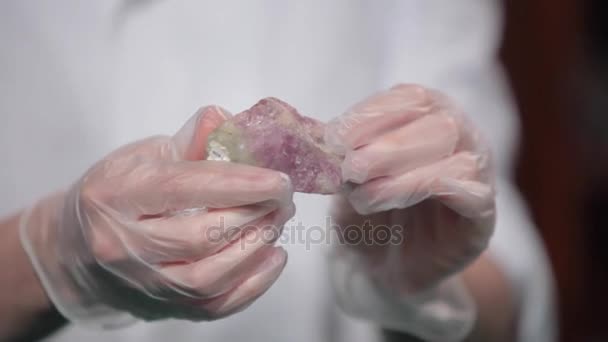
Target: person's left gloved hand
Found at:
414, 164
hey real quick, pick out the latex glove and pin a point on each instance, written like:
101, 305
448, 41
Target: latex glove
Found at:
153, 232
415, 164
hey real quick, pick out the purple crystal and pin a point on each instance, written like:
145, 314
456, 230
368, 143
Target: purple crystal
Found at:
272, 134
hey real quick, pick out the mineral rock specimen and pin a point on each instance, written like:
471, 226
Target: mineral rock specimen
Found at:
272, 134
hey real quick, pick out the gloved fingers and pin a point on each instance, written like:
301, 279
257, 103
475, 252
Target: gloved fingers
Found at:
416, 144
470, 138
263, 276
408, 189
189, 143
190, 236
220, 272
377, 115
160, 189
191, 140
471, 199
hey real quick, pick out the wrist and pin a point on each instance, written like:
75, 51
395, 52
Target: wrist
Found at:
35, 227
445, 312
30, 292
63, 263
23, 298
41, 231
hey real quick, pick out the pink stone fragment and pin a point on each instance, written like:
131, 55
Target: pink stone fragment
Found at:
272, 134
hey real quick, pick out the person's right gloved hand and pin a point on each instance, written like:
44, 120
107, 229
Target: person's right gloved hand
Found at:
152, 231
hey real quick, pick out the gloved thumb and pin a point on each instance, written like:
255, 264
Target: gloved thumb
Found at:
191, 140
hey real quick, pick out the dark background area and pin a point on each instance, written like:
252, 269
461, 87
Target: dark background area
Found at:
556, 56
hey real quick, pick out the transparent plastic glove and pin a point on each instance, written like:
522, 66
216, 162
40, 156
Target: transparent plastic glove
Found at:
413, 164
152, 232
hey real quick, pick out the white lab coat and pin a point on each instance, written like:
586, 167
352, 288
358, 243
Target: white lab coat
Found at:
80, 78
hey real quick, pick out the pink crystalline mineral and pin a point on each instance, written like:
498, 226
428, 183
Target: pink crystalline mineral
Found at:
272, 134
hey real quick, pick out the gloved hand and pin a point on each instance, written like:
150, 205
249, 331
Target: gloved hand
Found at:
416, 167
152, 231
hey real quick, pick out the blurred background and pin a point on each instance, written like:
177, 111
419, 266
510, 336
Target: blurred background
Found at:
556, 56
